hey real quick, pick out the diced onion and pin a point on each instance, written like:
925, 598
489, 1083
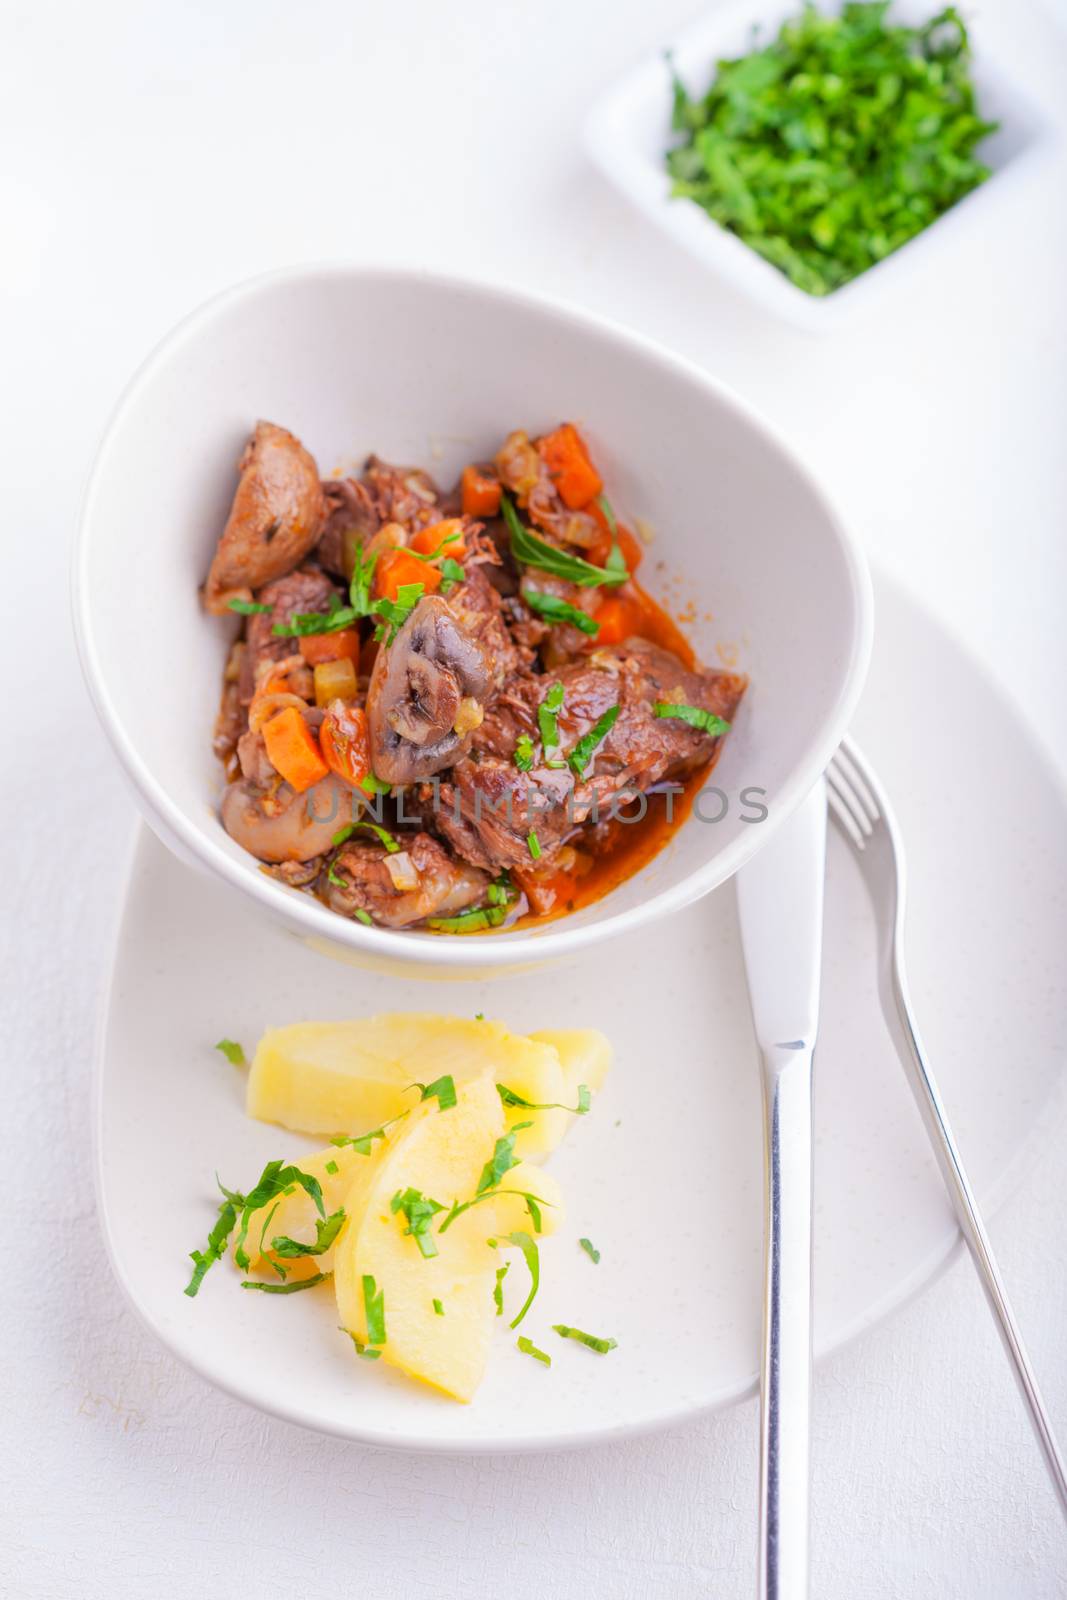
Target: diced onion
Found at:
334, 680
401, 869
264, 706
469, 715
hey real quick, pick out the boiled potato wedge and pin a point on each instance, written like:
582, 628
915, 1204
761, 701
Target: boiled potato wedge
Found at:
295, 1214
348, 1077
441, 1154
584, 1054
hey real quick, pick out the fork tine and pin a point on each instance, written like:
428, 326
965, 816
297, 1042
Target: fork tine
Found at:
853, 771
844, 816
839, 784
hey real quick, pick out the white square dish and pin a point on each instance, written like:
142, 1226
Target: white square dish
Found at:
628, 133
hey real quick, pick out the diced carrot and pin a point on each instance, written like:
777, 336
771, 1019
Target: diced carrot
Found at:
345, 742
563, 452
344, 645
618, 618
479, 492
633, 551
293, 750
398, 567
444, 538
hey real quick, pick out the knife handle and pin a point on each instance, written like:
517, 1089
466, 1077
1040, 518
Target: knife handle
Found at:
785, 1381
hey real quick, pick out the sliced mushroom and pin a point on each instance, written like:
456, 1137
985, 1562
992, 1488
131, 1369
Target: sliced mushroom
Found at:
281, 825
418, 690
277, 515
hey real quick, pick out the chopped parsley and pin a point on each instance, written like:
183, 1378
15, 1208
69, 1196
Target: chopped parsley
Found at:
532, 1257
326, 1231
217, 1241
616, 561
533, 1206
443, 1090
372, 785
374, 1309
360, 1348
590, 1340
503, 1158
452, 575
469, 921
285, 1288
304, 623
420, 1212
332, 1168
438, 1309
363, 1143
589, 743
233, 1052
395, 613
528, 1348
523, 755
510, 1098
498, 1288
247, 608
362, 578
828, 147
363, 916
533, 844
382, 834
696, 716
554, 609
274, 1180
591, 1251
531, 551
548, 719
334, 877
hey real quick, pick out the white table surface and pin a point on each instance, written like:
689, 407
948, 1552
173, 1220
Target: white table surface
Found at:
151, 155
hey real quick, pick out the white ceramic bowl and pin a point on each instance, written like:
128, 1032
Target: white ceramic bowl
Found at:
629, 131
426, 369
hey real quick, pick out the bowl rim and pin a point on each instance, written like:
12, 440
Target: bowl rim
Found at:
315, 921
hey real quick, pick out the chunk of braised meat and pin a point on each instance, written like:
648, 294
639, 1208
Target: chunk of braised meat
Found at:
277, 515
277, 824
643, 748
489, 808
231, 719
352, 518
401, 494
399, 889
429, 688
307, 589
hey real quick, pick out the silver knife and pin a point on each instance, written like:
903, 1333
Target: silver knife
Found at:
780, 908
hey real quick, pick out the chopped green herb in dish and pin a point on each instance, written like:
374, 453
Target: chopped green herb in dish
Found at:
528, 1348
591, 1251
590, 1340
233, 1052
830, 146
696, 716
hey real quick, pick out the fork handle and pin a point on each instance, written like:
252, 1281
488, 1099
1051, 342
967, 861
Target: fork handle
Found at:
785, 1380
895, 1005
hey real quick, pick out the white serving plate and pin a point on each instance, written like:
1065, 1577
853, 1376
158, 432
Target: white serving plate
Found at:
665, 1175
628, 133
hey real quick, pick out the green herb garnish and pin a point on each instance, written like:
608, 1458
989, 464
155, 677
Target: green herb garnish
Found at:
248, 608
372, 785
364, 917
274, 1180
233, 1052
363, 1143
452, 575
528, 1348
304, 623
438, 1309
326, 1231
503, 1158
527, 548
696, 716
533, 1206
217, 1241
469, 921
532, 1257
420, 1212
831, 146
523, 755
554, 609
498, 1288
285, 1288
362, 578
616, 561
533, 844
588, 744
360, 1348
443, 1090
374, 1308
510, 1098
548, 718
591, 1251
332, 1168
590, 1340
395, 613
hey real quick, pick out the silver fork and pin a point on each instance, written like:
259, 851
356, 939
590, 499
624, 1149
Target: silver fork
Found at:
859, 807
